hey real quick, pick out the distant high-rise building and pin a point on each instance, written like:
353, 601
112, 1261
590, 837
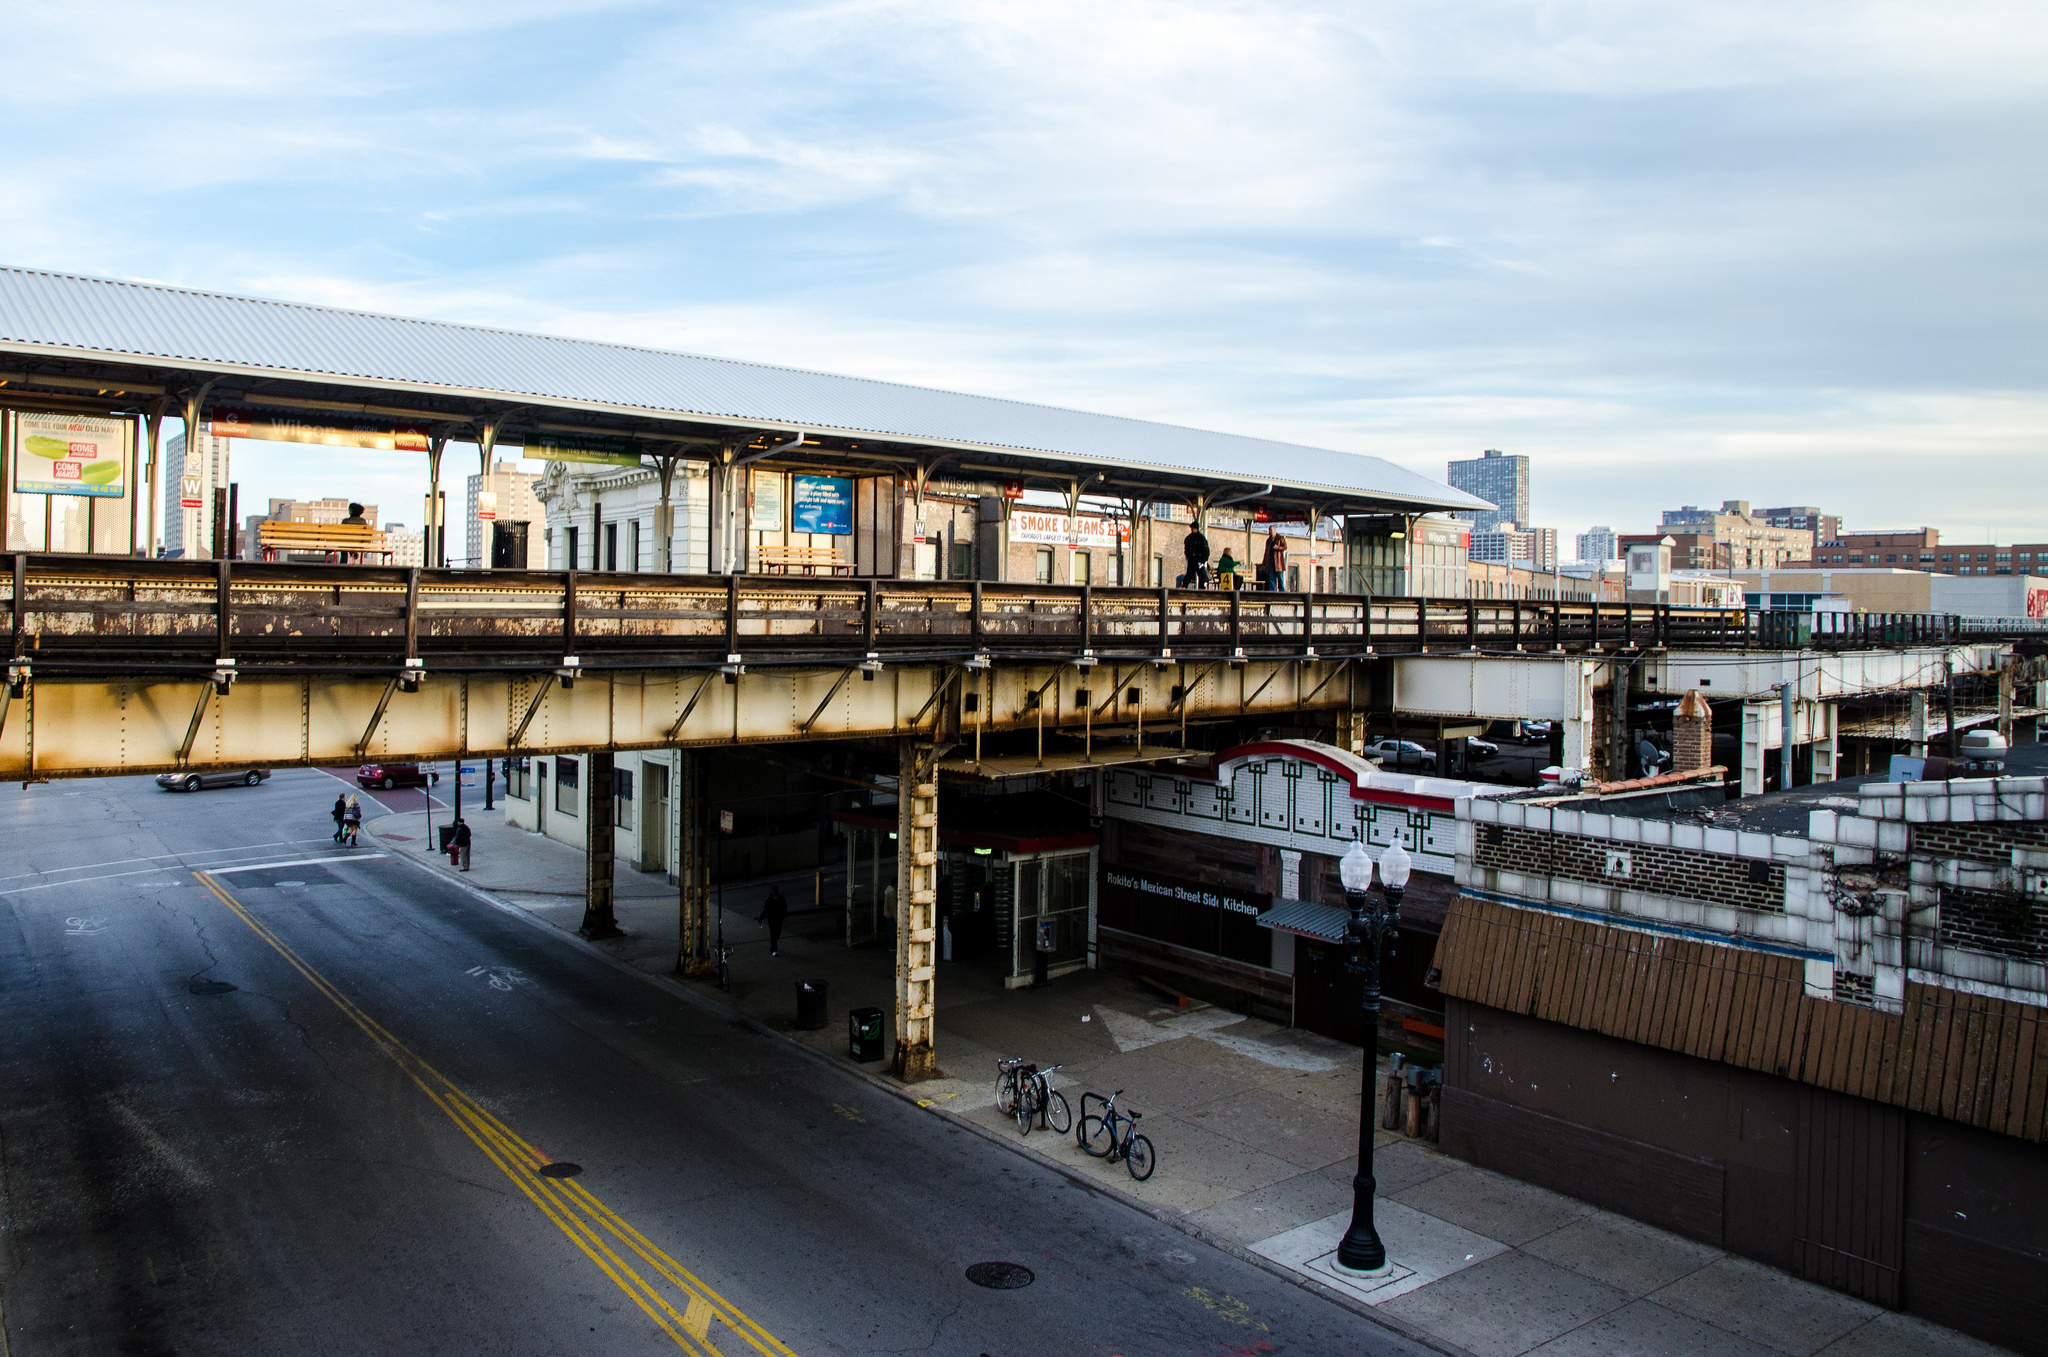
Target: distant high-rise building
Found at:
507, 540
1499, 479
1598, 544
407, 548
1533, 548
192, 472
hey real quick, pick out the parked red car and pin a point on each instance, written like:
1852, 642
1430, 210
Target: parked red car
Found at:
389, 775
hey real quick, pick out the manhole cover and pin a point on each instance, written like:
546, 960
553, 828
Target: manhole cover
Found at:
561, 1168
1000, 1276
210, 987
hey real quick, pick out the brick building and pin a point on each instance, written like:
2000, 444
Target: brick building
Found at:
1739, 539
1813, 1035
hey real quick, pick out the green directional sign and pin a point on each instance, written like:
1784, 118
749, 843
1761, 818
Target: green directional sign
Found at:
551, 447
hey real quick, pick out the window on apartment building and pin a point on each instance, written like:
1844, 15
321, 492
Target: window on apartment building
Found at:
1078, 568
611, 546
568, 786
2004, 570
1925, 558
1947, 556
2002, 556
2026, 555
1042, 566
569, 561
622, 797
519, 779
1855, 559
633, 545
1158, 572
1983, 556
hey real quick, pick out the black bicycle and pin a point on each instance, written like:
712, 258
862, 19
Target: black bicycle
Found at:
1023, 1093
1113, 1135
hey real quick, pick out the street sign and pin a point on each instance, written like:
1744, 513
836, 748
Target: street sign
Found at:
486, 505
188, 491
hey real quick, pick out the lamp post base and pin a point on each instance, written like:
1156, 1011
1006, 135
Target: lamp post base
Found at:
1385, 1269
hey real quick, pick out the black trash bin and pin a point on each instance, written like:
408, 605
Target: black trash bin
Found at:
810, 1005
864, 1034
446, 834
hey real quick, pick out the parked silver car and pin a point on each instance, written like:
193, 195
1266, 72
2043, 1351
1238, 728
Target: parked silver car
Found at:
213, 777
1402, 754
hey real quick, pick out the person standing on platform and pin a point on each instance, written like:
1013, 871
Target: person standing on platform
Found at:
1276, 561
1196, 548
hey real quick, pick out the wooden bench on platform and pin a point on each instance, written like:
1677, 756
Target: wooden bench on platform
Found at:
336, 542
809, 560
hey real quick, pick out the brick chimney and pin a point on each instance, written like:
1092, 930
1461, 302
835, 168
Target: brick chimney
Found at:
1692, 734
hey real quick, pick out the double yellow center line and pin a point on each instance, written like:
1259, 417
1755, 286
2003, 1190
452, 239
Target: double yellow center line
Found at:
603, 1236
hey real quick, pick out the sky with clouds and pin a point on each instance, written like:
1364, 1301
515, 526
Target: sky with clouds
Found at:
1786, 252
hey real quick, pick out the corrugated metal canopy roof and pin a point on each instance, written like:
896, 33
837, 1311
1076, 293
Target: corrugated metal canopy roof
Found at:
1311, 920
64, 315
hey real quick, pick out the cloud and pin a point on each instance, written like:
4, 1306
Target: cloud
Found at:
1673, 253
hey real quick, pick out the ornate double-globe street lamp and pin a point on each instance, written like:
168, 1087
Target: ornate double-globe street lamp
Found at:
1373, 919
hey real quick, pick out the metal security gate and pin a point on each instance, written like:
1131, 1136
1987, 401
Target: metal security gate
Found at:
1849, 1195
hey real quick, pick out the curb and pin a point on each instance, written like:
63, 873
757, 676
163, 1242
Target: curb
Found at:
908, 1093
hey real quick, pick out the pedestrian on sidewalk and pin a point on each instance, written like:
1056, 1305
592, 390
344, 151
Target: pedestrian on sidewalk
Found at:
461, 843
340, 813
772, 914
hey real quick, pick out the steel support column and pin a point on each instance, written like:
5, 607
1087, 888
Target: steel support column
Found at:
917, 880
598, 919
693, 869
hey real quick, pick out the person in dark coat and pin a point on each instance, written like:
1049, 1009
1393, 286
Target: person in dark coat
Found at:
1276, 561
340, 812
773, 913
1196, 547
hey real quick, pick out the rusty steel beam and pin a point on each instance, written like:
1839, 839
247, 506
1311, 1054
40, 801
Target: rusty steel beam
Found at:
917, 913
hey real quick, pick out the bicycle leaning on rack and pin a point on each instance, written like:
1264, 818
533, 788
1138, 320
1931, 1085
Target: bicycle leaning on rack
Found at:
1022, 1092
1113, 1135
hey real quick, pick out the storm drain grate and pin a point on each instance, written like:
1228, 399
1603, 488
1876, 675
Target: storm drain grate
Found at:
1000, 1276
211, 987
561, 1168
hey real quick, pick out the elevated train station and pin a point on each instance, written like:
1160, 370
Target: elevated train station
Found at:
122, 664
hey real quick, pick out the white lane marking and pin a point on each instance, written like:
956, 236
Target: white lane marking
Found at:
158, 857
295, 862
179, 867
85, 927
500, 977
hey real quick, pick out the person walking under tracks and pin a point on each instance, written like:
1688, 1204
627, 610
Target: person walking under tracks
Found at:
773, 913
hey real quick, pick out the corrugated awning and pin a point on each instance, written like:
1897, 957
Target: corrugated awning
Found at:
1325, 923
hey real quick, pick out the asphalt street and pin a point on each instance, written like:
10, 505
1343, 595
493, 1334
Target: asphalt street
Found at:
264, 1095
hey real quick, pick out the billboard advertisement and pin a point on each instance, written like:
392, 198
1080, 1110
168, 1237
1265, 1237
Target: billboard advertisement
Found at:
551, 447
1036, 525
57, 454
821, 504
331, 431
767, 510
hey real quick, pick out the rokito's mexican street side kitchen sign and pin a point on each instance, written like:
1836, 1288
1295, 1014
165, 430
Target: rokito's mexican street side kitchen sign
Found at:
1210, 919
325, 430
56, 454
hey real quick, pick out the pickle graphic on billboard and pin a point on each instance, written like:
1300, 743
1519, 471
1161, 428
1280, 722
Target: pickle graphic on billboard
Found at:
56, 454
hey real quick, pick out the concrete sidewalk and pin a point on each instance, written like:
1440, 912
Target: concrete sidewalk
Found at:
1255, 1127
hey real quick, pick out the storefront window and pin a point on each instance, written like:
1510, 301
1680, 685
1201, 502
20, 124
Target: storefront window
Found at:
568, 786
622, 797
1052, 909
519, 779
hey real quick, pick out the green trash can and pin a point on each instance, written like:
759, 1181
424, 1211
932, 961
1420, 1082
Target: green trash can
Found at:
864, 1034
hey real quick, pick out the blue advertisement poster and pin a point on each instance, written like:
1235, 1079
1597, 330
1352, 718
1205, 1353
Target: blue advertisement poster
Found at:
821, 504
